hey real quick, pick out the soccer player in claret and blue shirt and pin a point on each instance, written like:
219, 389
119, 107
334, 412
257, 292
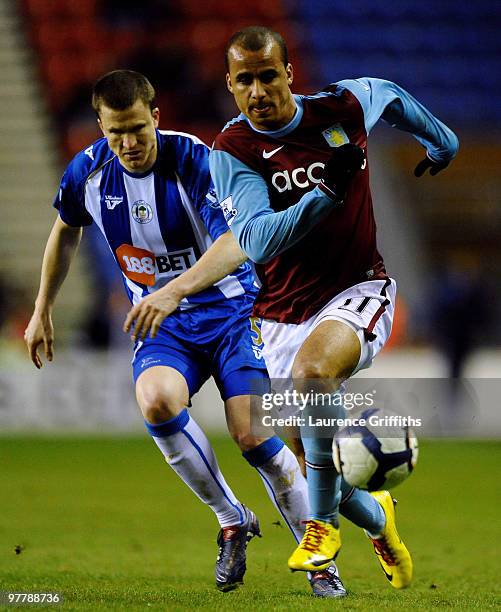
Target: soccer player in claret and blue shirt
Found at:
292, 176
150, 193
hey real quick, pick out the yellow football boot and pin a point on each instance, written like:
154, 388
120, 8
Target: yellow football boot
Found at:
391, 552
320, 545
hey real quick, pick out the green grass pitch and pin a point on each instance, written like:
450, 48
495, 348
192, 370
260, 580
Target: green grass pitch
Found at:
106, 522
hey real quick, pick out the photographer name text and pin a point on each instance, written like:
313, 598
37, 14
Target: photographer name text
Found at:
311, 421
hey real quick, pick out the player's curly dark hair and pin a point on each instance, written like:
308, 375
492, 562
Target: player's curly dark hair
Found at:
120, 89
254, 38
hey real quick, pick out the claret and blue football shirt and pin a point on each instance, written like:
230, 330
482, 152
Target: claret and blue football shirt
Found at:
308, 248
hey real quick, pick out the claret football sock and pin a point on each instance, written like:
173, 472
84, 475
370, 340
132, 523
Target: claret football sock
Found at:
286, 486
362, 509
189, 453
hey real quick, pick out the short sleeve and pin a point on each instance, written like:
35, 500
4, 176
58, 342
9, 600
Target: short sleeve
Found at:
69, 200
212, 215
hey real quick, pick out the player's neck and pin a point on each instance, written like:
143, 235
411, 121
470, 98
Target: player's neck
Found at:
291, 110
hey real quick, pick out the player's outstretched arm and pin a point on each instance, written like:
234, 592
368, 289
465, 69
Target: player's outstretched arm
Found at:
381, 99
223, 256
59, 252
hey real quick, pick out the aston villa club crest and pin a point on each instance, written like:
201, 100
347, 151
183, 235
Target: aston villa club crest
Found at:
142, 212
335, 135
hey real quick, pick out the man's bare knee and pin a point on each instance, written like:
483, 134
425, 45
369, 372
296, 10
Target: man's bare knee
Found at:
327, 357
158, 407
308, 370
156, 412
313, 375
158, 404
161, 393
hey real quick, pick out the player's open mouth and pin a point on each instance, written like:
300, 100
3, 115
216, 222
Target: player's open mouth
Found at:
132, 154
261, 110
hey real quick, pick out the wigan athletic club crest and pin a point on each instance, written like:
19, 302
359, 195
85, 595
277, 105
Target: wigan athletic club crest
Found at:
142, 212
335, 135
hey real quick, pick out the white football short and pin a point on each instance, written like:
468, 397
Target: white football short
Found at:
367, 308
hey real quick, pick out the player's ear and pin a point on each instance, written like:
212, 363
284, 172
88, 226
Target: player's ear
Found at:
228, 82
155, 113
290, 73
100, 126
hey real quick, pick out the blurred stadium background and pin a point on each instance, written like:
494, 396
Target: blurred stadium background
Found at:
440, 236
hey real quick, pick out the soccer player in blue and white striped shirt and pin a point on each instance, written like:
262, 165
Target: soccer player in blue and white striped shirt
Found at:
150, 193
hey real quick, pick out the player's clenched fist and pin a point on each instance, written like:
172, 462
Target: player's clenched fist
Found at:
39, 331
340, 168
147, 316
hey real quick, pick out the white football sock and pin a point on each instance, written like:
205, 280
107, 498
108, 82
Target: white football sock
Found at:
284, 482
189, 453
